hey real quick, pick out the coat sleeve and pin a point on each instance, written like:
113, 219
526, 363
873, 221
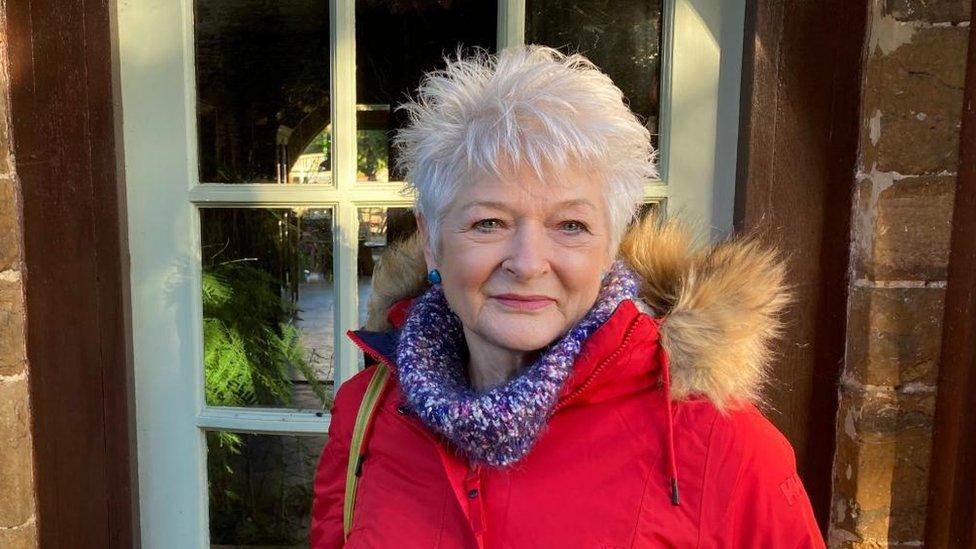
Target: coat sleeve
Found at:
330, 475
752, 494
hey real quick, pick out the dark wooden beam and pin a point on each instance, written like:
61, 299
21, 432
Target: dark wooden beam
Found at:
798, 142
62, 59
952, 479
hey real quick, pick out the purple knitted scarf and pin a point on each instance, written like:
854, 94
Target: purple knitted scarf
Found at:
499, 426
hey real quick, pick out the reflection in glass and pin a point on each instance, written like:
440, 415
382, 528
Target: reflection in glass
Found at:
396, 42
314, 164
262, 84
267, 307
260, 488
372, 143
379, 227
622, 38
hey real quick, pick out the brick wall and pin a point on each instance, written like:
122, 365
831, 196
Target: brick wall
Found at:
910, 120
17, 511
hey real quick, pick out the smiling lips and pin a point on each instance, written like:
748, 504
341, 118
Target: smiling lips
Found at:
524, 302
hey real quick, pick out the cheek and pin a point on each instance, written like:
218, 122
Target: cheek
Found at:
469, 265
581, 275
580, 267
465, 269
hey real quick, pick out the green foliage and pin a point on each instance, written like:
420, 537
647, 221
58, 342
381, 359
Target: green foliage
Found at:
324, 141
250, 346
371, 153
250, 341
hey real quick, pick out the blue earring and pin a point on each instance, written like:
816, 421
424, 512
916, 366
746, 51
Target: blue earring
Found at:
434, 276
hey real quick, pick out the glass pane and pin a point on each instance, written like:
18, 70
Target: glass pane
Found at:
263, 108
396, 42
623, 38
268, 307
378, 228
260, 488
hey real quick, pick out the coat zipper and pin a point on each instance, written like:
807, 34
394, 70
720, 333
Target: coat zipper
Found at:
600, 367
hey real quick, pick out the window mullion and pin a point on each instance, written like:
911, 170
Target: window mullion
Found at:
343, 51
345, 241
347, 289
511, 23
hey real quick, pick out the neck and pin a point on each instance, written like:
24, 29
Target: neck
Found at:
490, 365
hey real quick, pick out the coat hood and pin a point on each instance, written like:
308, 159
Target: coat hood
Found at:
719, 305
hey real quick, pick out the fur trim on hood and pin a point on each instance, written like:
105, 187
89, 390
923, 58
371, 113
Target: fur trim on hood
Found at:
721, 304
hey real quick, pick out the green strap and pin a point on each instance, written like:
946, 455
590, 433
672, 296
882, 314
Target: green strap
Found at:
366, 410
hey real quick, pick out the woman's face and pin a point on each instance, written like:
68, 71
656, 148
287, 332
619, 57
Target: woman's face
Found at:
521, 260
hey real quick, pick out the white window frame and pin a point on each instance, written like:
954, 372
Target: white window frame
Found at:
700, 68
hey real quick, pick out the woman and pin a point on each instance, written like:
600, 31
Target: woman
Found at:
556, 379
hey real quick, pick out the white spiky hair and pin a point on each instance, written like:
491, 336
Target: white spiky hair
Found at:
526, 106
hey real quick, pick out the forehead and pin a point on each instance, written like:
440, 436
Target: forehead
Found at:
522, 189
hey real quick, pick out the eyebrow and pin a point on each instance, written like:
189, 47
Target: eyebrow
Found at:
502, 206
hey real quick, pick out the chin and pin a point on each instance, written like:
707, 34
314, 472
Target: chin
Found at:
523, 335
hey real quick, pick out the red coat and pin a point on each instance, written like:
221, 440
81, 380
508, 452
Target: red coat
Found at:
599, 474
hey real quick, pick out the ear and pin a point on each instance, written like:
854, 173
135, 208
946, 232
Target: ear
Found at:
425, 239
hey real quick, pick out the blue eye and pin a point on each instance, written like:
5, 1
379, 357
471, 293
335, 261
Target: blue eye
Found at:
573, 226
488, 225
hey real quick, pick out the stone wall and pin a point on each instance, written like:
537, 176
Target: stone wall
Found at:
17, 511
915, 53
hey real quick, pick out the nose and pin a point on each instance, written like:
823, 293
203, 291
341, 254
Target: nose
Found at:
528, 253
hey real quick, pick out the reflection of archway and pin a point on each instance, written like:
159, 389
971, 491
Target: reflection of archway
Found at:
293, 140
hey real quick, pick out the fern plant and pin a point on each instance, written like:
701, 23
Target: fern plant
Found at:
251, 343
250, 340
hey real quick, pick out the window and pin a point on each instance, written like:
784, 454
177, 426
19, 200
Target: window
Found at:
261, 190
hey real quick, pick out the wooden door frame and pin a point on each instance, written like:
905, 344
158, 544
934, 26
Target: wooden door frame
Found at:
62, 62
66, 125
798, 141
